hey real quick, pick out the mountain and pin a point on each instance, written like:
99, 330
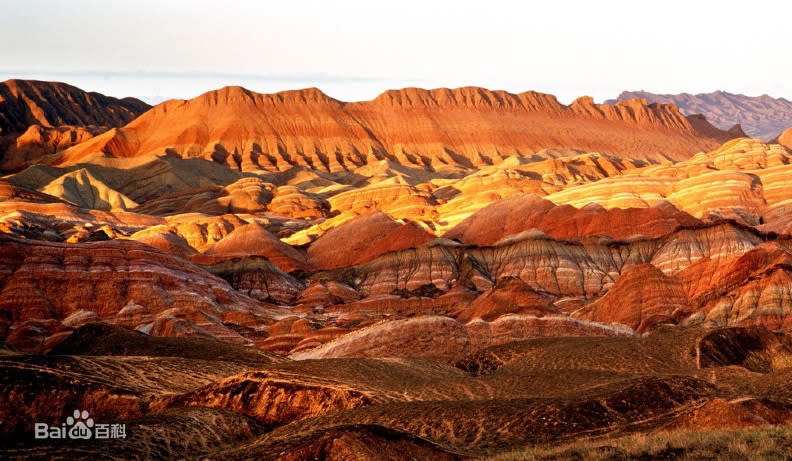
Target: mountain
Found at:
39, 118
31, 102
438, 129
434, 274
762, 117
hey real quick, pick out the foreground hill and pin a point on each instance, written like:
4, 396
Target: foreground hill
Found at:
762, 117
441, 128
198, 403
40, 118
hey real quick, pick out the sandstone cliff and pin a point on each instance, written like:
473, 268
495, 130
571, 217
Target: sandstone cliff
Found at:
464, 127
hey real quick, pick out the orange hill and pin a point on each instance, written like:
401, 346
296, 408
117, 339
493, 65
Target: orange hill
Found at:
785, 138
441, 128
42, 118
31, 102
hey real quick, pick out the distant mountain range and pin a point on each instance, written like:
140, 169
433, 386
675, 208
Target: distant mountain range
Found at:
762, 117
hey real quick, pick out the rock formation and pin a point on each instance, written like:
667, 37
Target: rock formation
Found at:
255, 240
785, 138
642, 298
305, 128
30, 102
509, 296
363, 239
741, 180
518, 214
761, 117
436, 274
40, 118
124, 283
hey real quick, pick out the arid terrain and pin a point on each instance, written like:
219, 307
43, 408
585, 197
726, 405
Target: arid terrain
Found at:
762, 117
431, 274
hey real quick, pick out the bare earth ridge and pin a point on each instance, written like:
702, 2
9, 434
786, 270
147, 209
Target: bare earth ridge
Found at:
762, 117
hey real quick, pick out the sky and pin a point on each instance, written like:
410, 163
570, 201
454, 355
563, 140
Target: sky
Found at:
354, 50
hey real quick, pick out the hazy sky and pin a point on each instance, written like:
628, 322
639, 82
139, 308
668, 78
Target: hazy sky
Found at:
354, 50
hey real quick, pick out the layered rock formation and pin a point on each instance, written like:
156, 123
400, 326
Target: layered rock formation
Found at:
442, 338
363, 239
762, 117
30, 102
509, 296
40, 118
512, 216
465, 127
746, 289
48, 289
437, 274
741, 180
633, 303
38, 141
255, 240
81, 188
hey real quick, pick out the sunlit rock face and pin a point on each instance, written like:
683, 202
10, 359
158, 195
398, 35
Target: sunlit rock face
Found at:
305, 128
51, 288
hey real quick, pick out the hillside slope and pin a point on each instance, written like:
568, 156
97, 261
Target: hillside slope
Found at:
40, 118
441, 128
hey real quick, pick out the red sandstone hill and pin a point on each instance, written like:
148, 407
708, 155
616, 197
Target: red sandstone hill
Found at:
54, 116
521, 213
255, 239
630, 303
462, 127
31, 102
363, 239
785, 138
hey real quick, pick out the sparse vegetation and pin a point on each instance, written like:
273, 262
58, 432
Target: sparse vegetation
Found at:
765, 443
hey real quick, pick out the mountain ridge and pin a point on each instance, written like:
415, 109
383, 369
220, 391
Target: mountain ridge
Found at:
762, 117
39, 118
466, 127
27, 102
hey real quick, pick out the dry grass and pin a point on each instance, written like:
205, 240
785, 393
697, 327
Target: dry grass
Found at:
765, 443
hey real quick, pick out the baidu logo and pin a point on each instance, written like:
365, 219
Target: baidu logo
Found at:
80, 426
